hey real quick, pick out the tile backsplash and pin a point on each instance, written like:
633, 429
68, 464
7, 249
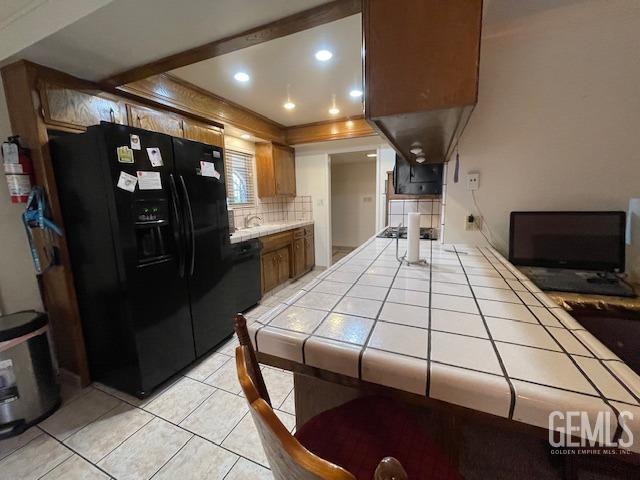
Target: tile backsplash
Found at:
275, 210
429, 209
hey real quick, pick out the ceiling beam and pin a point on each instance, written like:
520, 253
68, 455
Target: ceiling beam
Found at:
295, 23
337, 129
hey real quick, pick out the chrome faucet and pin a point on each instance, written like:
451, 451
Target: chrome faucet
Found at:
248, 218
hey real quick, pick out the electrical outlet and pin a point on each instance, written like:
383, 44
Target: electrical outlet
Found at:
473, 181
472, 222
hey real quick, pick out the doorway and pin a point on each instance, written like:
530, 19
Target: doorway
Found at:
353, 205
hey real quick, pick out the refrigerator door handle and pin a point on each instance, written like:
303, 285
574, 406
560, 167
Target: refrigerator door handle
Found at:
177, 226
191, 226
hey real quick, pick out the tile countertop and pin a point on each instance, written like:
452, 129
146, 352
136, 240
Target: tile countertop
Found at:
467, 328
262, 230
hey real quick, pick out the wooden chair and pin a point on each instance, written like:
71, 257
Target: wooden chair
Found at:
291, 460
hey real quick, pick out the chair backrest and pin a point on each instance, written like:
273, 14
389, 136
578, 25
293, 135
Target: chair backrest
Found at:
253, 368
288, 459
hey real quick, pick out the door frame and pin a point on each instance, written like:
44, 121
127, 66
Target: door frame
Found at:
378, 146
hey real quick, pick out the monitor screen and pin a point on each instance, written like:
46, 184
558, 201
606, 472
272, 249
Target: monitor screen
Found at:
580, 240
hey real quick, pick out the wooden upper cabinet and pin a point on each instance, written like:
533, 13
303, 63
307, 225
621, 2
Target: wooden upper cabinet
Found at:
421, 71
285, 170
203, 133
156, 120
276, 170
78, 109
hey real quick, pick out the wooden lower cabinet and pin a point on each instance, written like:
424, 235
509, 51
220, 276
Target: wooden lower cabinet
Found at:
276, 268
309, 253
299, 260
284, 265
286, 255
269, 271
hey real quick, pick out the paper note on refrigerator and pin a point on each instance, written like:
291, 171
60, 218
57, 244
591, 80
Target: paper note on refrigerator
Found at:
135, 142
155, 157
125, 154
127, 182
149, 180
208, 169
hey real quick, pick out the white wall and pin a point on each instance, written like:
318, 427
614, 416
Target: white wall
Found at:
313, 177
313, 174
353, 209
386, 162
557, 122
18, 285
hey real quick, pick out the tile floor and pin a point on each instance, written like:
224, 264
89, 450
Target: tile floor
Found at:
340, 252
197, 426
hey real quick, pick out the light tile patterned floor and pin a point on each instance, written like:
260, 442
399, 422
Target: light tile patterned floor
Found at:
197, 426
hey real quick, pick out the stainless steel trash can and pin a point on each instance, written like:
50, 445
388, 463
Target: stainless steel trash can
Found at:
29, 390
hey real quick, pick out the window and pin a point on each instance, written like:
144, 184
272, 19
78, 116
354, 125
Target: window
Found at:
240, 186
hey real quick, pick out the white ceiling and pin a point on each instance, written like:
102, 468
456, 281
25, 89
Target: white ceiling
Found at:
290, 60
128, 33
12, 9
497, 12
25, 22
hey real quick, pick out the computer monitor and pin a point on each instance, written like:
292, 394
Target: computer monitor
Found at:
577, 240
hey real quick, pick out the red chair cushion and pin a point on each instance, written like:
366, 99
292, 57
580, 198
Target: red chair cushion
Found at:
360, 433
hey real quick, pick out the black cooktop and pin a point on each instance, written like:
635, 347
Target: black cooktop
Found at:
393, 232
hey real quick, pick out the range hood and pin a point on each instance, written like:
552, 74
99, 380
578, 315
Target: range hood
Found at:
417, 178
421, 73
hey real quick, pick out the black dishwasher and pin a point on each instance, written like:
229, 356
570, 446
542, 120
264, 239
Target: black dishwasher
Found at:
245, 274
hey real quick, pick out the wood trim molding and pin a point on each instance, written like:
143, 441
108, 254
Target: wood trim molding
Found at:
181, 96
344, 128
297, 22
57, 286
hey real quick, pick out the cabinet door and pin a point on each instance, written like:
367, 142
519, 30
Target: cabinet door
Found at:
156, 121
77, 109
203, 133
284, 170
299, 260
270, 271
309, 253
265, 170
284, 265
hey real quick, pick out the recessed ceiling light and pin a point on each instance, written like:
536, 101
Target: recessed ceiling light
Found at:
334, 110
323, 55
241, 77
372, 155
246, 136
289, 105
355, 93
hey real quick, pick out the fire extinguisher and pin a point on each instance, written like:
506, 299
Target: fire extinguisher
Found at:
18, 170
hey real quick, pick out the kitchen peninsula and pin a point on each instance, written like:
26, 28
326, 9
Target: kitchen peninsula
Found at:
465, 329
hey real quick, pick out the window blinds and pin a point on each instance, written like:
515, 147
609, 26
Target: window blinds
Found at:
239, 172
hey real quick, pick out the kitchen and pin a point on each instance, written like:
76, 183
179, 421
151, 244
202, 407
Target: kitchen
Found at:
527, 121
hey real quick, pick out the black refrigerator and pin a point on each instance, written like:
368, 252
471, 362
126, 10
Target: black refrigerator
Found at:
147, 226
